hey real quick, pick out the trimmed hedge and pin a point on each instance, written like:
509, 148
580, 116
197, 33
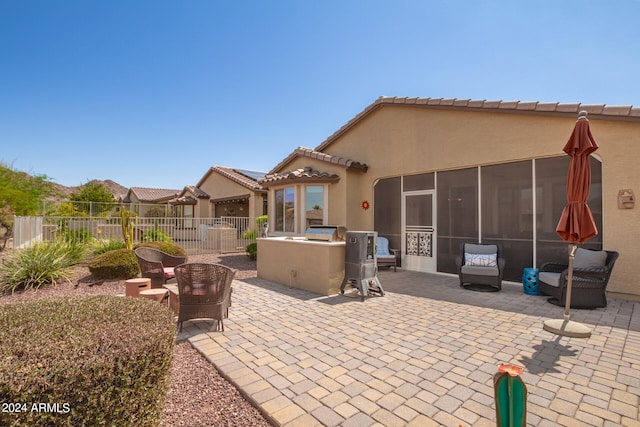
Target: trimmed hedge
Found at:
99, 361
116, 264
166, 247
252, 251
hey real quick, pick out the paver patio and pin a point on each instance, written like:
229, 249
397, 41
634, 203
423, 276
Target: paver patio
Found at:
424, 354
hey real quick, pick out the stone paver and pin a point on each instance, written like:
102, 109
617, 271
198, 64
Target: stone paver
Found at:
424, 354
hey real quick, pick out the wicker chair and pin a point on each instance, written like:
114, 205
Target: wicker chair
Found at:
590, 279
204, 291
386, 257
480, 266
157, 265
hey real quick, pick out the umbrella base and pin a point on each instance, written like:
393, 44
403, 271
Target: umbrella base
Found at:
567, 328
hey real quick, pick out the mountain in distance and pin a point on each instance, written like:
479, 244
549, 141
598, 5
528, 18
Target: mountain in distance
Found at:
62, 192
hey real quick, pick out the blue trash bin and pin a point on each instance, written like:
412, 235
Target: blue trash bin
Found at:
530, 281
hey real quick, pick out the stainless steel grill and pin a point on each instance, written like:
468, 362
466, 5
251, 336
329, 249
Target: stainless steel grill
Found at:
326, 233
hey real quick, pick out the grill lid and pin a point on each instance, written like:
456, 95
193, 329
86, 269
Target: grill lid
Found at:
326, 233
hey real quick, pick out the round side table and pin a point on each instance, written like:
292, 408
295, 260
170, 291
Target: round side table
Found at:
134, 286
157, 295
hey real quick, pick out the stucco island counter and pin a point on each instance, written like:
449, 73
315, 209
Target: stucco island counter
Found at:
314, 266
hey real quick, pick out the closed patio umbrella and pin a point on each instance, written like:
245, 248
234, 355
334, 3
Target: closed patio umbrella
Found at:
576, 223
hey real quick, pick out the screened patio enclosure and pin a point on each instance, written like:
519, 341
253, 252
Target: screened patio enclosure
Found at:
517, 204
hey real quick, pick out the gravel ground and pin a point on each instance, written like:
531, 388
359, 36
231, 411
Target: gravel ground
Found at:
199, 396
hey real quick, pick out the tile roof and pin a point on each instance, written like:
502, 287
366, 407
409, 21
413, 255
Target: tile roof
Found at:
152, 194
595, 111
314, 154
195, 191
242, 179
237, 176
302, 175
184, 200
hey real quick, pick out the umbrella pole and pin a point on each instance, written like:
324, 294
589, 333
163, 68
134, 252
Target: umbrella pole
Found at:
567, 304
566, 327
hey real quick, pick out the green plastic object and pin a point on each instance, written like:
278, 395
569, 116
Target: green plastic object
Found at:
511, 400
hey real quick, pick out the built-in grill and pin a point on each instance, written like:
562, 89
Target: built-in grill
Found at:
326, 233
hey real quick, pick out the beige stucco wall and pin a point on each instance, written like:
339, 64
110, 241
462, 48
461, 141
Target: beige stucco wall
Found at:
313, 266
399, 140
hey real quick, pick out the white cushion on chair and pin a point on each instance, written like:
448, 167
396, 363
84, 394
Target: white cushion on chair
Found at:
551, 279
481, 260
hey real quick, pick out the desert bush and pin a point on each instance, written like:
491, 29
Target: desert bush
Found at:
43, 263
105, 245
252, 251
156, 235
166, 247
88, 358
249, 234
76, 235
116, 264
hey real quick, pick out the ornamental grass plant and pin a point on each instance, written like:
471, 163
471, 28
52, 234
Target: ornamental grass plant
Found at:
43, 263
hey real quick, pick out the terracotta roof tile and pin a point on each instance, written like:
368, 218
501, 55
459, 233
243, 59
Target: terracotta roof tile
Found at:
239, 178
153, 194
526, 106
301, 175
314, 154
619, 110
195, 192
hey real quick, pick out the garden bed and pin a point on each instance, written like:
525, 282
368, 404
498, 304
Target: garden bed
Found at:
198, 395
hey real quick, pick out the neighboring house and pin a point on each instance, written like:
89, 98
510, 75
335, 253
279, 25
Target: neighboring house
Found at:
229, 192
432, 173
142, 199
190, 203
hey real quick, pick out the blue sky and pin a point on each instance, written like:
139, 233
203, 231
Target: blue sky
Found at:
152, 93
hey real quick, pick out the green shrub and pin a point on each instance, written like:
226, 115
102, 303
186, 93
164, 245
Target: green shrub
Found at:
104, 360
249, 234
43, 263
261, 220
166, 247
105, 245
77, 235
156, 235
252, 251
116, 264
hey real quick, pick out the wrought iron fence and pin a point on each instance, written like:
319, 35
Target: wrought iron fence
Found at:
195, 235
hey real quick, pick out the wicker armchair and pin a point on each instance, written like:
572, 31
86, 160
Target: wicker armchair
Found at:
480, 266
590, 279
385, 256
157, 265
204, 291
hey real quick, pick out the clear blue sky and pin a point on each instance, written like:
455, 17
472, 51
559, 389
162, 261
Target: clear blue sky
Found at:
153, 93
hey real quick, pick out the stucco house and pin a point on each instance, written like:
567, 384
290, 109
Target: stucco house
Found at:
228, 192
431, 173
142, 198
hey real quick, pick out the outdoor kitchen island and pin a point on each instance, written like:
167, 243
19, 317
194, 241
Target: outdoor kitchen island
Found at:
313, 265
